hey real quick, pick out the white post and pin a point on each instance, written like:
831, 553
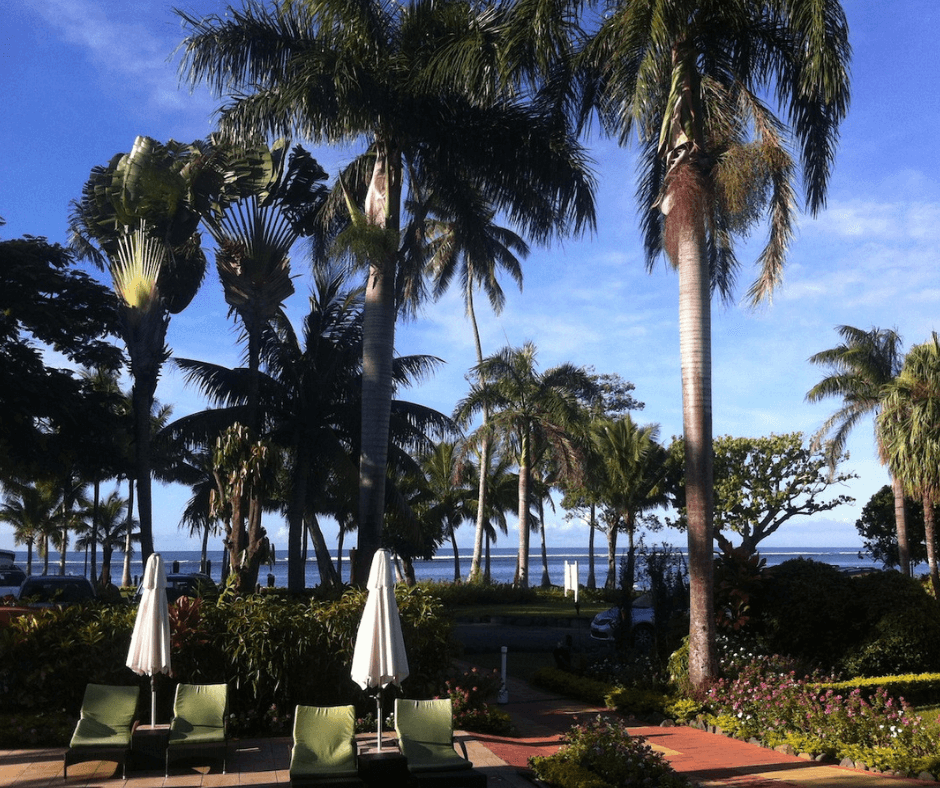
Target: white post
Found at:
577, 581
503, 696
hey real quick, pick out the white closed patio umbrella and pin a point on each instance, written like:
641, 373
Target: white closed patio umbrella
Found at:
149, 653
379, 658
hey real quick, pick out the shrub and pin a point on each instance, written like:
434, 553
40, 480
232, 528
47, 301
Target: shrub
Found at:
469, 693
803, 609
896, 630
604, 747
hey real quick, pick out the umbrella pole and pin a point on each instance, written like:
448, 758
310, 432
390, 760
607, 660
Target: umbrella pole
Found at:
153, 701
378, 702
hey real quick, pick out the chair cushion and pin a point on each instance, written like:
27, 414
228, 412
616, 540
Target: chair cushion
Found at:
107, 716
199, 713
426, 735
323, 741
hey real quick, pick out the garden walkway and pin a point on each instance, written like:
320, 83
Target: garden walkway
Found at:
707, 759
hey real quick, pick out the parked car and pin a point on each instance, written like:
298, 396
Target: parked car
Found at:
192, 584
55, 590
609, 626
11, 578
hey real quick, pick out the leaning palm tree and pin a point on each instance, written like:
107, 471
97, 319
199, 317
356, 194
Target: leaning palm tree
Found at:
528, 407
385, 75
909, 429
136, 219
859, 369
691, 77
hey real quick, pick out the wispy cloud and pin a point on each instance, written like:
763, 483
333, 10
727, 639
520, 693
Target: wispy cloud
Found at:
130, 45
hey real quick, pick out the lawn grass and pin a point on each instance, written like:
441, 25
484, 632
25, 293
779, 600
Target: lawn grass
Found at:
543, 608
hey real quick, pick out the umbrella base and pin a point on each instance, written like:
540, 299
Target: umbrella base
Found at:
386, 769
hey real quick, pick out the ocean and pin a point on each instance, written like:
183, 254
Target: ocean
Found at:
441, 567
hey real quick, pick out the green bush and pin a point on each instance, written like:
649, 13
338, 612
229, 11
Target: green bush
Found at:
604, 747
469, 694
803, 609
572, 686
273, 651
896, 629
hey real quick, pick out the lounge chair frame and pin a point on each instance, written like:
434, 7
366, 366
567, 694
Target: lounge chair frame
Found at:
101, 704
208, 705
426, 738
329, 727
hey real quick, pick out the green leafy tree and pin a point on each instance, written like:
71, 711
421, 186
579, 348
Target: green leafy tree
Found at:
136, 218
390, 75
876, 526
29, 508
909, 428
46, 304
110, 532
859, 369
762, 483
691, 78
528, 407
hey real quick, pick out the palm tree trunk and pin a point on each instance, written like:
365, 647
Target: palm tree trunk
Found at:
900, 519
522, 561
383, 209
142, 396
930, 537
96, 487
686, 226
453, 544
611, 583
484, 454
295, 523
128, 539
546, 581
328, 576
592, 529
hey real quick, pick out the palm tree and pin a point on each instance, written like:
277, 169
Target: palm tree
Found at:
474, 248
28, 508
387, 74
136, 219
452, 500
859, 370
110, 532
909, 429
262, 202
310, 401
689, 77
630, 483
527, 407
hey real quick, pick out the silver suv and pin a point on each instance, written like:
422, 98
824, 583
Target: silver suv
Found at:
608, 625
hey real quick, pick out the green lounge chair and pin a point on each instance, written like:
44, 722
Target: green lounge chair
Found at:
198, 729
105, 727
426, 738
324, 751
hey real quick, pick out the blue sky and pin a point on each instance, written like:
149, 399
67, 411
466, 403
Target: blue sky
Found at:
82, 79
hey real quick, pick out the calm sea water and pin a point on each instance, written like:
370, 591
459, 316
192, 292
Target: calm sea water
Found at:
502, 563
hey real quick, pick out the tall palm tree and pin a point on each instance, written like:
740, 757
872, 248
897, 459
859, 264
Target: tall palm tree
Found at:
527, 407
385, 74
631, 481
859, 370
690, 77
136, 219
475, 249
909, 428
110, 531
310, 401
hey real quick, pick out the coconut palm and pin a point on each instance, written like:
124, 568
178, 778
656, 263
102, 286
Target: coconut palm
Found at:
633, 470
29, 508
109, 531
136, 219
385, 74
527, 407
909, 429
447, 480
310, 402
859, 369
474, 249
690, 78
